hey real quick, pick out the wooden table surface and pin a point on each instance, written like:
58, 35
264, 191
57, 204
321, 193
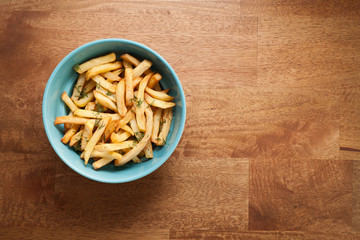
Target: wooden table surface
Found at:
271, 144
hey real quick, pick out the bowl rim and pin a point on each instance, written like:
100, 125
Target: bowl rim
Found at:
182, 119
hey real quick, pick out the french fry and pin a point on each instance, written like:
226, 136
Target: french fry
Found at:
101, 162
85, 100
87, 133
120, 98
70, 119
148, 72
112, 155
115, 116
136, 81
67, 126
140, 146
141, 68
129, 90
76, 138
99, 107
90, 106
117, 72
140, 106
148, 150
125, 150
134, 61
105, 101
154, 80
89, 86
164, 131
95, 62
165, 91
136, 160
111, 76
155, 131
70, 133
108, 147
127, 64
106, 93
158, 103
129, 115
103, 83
78, 88
94, 114
119, 137
157, 87
134, 127
102, 69
128, 129
95, 138
67, 100
127, 57
159, 95
110, 129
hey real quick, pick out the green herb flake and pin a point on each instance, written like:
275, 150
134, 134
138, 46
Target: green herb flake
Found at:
162, 121
139, 135
78, 89
76, 67
134, 99
77, 148
82, 94
101, 126
133, 144
151, 103
109, 93
139, 102
97, 121
78, 137
99, 108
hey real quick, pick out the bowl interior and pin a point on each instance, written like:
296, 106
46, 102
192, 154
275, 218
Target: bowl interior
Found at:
63, 79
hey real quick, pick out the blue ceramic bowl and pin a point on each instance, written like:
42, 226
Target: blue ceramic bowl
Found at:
63, 79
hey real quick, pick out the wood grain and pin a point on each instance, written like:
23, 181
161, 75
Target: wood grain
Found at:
27, 189
315, 8
300, 195
349, 129
28, 163
195, 193
271, 144
86, 233
277, 123
356, 196
138, 6
301, 52
261, 235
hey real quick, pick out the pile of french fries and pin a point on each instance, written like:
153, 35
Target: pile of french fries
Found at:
117, 111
